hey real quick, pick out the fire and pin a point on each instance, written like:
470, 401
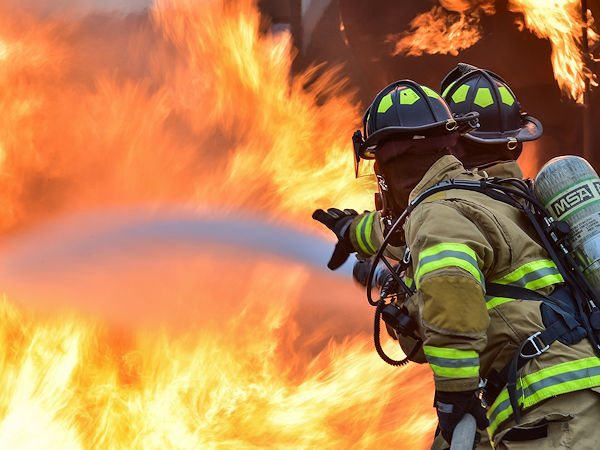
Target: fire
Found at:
560, 22
445, 29
196, 90
454, 26
254, 367
160, 347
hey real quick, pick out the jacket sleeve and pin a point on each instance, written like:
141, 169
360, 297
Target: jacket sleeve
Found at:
366, 235
450, 255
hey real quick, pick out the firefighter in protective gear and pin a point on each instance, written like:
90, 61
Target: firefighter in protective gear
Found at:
460, 240
494, 146
498, 141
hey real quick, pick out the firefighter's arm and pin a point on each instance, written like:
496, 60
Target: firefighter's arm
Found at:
449, 255
367, 234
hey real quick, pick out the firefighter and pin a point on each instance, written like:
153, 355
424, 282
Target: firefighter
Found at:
494, 146
460, 240
497, 143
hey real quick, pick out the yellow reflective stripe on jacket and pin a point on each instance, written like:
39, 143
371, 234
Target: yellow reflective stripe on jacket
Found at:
533, 275
447, 255
363, 234
408, 281
491, 302
549, 382
452, 363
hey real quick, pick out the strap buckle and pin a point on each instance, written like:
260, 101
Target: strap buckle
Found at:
539, 349
451, 125
406, 256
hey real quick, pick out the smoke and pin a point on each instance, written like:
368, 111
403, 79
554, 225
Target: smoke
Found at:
169, 267
79, 8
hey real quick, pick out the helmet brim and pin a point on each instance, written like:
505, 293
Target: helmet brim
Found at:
442, 127
531, 129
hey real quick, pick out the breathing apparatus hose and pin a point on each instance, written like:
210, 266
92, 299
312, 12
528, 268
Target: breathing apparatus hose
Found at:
377, 339
379, 257
542, 221
579, 285
380, 304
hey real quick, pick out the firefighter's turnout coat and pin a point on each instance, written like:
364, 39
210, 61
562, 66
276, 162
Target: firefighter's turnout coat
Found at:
459, 240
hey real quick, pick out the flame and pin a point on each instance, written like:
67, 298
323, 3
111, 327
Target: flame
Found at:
198, 91
189, 105
561, 23
454, 26
249, 370
445, 29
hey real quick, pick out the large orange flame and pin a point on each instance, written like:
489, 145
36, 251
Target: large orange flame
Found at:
559, 21
195, 107
445, 29
187, 105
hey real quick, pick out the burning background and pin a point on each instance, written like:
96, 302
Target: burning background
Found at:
163, 283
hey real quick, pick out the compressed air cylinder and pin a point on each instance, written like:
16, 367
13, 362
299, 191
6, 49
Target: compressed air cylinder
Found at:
569, 188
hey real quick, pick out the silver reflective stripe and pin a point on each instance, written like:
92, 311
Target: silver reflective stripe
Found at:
453, 363
547, 386
535, 275
449, 254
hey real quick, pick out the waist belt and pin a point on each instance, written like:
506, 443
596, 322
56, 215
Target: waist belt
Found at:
565, 326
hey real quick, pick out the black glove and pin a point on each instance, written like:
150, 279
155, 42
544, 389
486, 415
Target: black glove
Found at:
339, 222
452, 406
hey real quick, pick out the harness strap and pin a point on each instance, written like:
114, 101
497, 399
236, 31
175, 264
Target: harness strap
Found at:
531, 347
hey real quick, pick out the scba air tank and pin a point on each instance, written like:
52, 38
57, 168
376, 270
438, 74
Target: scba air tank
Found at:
569, 188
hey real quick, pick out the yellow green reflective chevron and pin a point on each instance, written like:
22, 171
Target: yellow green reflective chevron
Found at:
483, 97
461, 93
408, 96
507, 97
385, 103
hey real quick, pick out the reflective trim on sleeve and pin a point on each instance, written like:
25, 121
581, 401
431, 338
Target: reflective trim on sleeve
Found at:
448, 255
451, 363
408, 281
363, 234
543, 384
533, 275
491, 302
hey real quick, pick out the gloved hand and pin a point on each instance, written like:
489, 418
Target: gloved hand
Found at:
339, 222
452, 406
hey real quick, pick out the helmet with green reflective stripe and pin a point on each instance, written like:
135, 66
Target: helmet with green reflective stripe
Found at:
468, 88
406, 109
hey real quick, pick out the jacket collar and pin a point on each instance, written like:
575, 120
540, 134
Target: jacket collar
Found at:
445, 168
503, 169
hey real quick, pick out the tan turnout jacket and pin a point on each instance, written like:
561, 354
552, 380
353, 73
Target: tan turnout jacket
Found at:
460, 239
